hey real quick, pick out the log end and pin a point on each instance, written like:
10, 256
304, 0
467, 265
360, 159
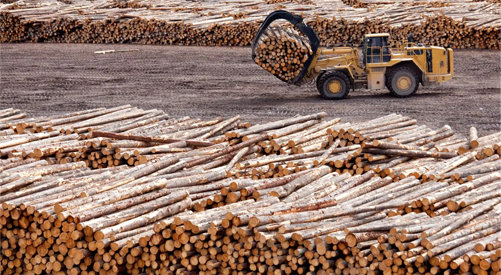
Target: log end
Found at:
474, 144
98, 236
351, 240
253, 222
58, 208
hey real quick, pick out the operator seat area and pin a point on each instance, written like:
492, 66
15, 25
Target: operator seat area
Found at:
376, 49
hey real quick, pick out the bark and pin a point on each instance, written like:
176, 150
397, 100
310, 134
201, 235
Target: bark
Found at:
148, 218
149, 139
118, 205
411, 153
290, 187
117, 217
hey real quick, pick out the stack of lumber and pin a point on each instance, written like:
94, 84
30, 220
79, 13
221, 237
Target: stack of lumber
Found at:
282, 52
306, 194
456, 23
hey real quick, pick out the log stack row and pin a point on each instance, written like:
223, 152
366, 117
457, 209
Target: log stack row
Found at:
439, 30
459, 24
381, 196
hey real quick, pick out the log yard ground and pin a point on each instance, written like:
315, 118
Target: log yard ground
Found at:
47, 79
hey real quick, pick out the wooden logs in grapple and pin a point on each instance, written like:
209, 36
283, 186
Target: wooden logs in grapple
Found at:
282, 52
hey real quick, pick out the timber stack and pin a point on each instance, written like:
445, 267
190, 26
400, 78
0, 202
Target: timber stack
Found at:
458, 24
301, 195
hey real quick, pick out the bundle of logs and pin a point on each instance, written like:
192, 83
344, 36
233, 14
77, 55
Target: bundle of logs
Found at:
302, 195
282, 52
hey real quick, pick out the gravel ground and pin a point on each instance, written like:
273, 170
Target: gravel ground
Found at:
46, 79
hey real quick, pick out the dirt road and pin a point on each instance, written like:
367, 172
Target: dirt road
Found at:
46, 79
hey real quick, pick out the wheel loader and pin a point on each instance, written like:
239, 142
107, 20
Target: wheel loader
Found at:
398, 66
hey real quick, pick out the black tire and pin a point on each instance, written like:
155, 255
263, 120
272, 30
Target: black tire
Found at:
408, 81
330, 79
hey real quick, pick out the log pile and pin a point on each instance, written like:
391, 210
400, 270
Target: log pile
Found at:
459, 24
381, 196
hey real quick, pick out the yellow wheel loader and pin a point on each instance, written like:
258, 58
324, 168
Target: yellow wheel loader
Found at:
400, 67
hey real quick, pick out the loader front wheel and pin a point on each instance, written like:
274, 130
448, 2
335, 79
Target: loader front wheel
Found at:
333, 85
402, 82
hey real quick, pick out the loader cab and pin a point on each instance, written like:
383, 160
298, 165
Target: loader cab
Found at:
376, 49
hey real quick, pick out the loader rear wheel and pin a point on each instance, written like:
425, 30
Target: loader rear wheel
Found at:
402, 82
333, 85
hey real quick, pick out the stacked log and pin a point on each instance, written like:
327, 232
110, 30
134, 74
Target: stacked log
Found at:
196, 206
355, 3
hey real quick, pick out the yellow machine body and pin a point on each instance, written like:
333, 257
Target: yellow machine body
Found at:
430, 63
